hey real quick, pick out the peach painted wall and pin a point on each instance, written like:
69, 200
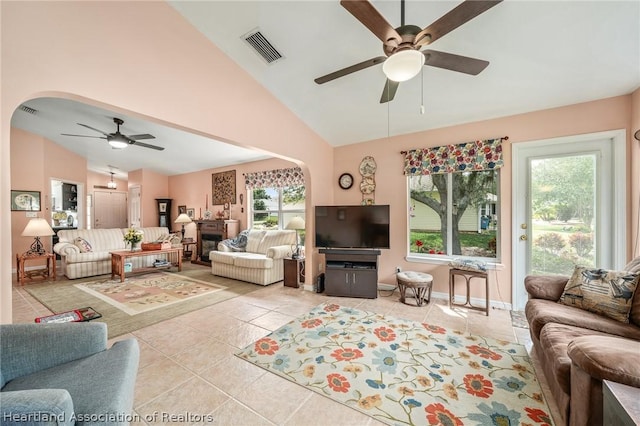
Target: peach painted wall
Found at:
165, 84
606, 114
35, 161
172, 83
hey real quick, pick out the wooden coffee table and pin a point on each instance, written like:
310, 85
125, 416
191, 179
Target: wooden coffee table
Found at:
118, 259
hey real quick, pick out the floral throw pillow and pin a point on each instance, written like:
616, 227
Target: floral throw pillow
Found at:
83, 245
604, 292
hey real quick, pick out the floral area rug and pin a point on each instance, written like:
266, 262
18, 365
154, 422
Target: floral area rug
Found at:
143, 293
402, 372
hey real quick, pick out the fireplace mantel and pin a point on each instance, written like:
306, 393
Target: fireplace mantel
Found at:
210, 233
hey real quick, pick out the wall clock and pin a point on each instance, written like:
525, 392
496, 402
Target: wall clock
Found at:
345, 181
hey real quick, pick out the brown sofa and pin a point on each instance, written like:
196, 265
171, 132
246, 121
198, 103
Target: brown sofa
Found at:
578, 349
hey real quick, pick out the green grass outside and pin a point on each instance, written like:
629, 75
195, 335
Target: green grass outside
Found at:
433, 240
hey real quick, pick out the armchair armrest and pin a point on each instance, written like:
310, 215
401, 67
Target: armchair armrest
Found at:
549, 287
64, 248
36, 407
27, 348
279, 252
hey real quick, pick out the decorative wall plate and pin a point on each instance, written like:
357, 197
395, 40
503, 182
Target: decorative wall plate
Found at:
368, 185
368, 166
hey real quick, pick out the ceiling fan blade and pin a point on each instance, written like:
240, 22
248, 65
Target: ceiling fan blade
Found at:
142, 136
83, 136
353, 68
389, 91
452, 62
146, 145
93, 128
364, 12
459, 15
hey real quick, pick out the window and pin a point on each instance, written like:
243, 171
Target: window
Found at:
454, 214
273, 208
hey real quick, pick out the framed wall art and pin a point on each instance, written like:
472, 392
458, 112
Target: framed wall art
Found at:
191, 212
182, 209
28, 201
223, 187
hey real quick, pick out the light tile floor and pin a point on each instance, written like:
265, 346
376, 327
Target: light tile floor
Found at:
187, 367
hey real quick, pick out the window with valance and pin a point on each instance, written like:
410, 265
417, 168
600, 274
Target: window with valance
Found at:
463, 157
454, 199
277, 196
276, 178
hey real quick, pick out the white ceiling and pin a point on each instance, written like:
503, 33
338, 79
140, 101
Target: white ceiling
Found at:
542, 54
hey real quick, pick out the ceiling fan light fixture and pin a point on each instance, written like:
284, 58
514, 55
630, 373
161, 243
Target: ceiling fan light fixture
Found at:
118, 142
403, 65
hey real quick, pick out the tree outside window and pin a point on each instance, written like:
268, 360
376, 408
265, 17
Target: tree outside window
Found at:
454, 214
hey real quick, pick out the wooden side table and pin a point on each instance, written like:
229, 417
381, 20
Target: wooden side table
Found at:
188, 254
293, 272
468, 275
48, 272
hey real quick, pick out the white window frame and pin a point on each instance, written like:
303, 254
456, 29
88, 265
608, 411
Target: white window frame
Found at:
280, 212
443, 259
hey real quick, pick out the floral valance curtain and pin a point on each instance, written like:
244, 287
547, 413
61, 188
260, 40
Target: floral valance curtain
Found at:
468, 156
277, 178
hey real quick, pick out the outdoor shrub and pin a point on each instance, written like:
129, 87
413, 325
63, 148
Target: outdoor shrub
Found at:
582, 243
550, 241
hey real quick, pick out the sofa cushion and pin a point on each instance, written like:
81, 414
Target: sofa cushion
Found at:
222, 257
555, 339
253, 260
540, 312
93, 256
254, 238
82, 244
601, 291
276, 238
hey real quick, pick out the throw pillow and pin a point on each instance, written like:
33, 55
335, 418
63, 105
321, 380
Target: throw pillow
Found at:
82, 244
603, 292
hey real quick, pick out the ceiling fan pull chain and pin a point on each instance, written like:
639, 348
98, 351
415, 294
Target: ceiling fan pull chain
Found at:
422, 90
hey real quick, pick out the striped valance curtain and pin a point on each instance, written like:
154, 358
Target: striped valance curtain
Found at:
277, 178
468, 156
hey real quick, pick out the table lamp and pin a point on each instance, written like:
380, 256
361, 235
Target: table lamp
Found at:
37, 228
182, 219
297, 223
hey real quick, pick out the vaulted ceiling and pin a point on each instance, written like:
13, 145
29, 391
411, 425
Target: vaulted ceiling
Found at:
542, 54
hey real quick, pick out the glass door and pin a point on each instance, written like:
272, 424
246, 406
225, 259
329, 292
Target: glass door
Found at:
568, 207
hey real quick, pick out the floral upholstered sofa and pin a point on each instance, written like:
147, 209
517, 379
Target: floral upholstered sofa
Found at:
86, 252
259, 261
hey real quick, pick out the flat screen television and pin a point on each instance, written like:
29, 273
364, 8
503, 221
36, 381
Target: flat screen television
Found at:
352, 226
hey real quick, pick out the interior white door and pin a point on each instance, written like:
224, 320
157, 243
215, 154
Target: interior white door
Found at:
568, 206
110, 209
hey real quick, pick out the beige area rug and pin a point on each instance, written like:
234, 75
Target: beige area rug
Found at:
172, 295
404, 372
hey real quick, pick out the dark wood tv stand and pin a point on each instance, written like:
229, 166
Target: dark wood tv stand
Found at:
351, 272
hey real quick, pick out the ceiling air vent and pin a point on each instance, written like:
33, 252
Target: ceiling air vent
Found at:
261, 45
27, 109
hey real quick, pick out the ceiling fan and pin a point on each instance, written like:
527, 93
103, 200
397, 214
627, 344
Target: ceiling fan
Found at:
117, 140
402, 45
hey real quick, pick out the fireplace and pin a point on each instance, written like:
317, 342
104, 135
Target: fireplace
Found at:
210, 233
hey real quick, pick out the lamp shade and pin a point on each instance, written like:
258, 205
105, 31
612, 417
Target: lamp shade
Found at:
37, 227
296, 223
183, 218
404, 65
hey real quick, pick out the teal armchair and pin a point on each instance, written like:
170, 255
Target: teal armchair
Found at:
64, 374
